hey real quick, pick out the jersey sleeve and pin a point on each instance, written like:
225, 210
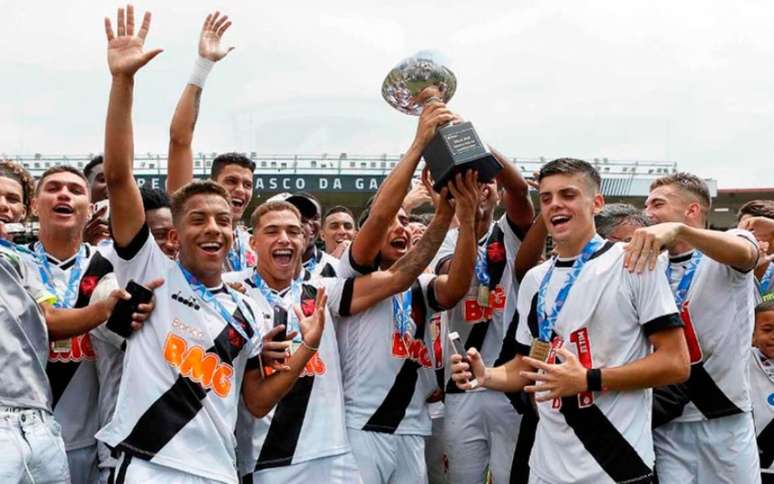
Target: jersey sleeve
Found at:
741, 274
527, 290
26, 265
339, 292
445, 252
427, 283
141, 260
653, 299
347, 267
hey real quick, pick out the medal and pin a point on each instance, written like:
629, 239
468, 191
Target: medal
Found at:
539, 350
483, 296
62, 346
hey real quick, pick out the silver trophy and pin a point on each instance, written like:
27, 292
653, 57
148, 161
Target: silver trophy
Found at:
455, 147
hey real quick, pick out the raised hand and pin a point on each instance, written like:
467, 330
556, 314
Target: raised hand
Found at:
467, 196
647, 243
125, 54
212, 31
434, 114
312, 326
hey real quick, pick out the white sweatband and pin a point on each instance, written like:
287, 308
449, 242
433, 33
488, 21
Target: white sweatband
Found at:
201, 70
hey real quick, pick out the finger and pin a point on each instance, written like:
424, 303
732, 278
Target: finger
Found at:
218, 23
534, 376
655, 252
299, 313
444, 194
565, 354
214, 18
109, 30
547, 397
452, 186
135, 325
129, 20
274, 354
537, 364
120, 23
291, 335
155, 283
145, 308
278, 366
223, 28
139, 317
122, 294
148, 56
206, 23
644, 254
633, 250
145, 27
273, 332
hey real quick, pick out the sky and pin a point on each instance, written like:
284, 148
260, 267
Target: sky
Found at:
690, 81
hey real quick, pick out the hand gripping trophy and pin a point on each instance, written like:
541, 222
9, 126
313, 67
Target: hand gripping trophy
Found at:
455, 147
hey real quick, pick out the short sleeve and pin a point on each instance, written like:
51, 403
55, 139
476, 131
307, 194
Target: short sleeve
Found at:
347, 267
654, 301
527, 292
141, 260
445, 252
26, 266
339, 292
741, 273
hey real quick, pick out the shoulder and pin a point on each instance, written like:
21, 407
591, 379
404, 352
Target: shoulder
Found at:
237, 276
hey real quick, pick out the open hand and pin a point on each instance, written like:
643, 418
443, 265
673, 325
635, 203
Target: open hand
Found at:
312, 326
212, 31
470, 372
647, 243
557, 380
125, 54
467, 196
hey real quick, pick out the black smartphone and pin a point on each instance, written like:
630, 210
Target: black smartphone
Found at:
280, 317
120, 320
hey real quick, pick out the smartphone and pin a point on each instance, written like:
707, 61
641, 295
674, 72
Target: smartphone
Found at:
120, 320
100, 205
280, 317
454, 338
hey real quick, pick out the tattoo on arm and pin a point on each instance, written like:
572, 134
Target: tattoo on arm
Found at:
417, 259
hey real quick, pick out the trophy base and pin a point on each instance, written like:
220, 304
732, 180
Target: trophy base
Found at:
457, 148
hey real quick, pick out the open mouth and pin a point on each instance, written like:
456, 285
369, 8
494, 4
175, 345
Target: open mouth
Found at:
559, 221
282, 257
211, 247
237, 203
63, 209
399, 243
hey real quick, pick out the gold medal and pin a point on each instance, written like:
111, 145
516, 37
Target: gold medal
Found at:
540, 350
483, 296
62, 346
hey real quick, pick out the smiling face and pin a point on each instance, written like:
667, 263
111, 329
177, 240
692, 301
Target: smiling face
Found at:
667, 203
159, 222
62, 203
278, 240
311, 228
12, 207
338, 227
763, 337
397, 241
204, 235
238, 182
568, 203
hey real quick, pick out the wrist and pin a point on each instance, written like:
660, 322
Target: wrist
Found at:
312, 345
123, 79
594, 380
201, 69
484, 380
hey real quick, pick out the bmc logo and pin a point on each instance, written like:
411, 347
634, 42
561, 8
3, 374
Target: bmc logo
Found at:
413, 349
475, 313
198, 365
72, 350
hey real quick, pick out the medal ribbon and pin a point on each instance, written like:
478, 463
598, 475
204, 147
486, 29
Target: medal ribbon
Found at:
401, 312
482, 270
765, 283
681, 292
311, 264
765, 364
209, 299
274, 299
236, 254
71, 293
546, 322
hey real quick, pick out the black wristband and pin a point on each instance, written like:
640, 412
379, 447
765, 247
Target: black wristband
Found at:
594, 379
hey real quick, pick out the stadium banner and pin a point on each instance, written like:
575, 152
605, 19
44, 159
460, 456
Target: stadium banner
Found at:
292, 182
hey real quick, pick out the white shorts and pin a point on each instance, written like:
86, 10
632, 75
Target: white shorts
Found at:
389, 458
720, 450
337, 469
435, 454
480, 430
31, 447
130, 470
83, 465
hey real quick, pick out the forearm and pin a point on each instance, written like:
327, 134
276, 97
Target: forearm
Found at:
507, 377
452, 287
262, 394
531, 249
410, 266
65, 323
181, 130
728, 249
517, 203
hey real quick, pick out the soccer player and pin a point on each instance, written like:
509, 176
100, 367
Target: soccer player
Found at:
761, 365
764, 272
184, 371
16, 190
481, 427
711, 276
600, 337
338, 230
96, 179
618, 221
233, 171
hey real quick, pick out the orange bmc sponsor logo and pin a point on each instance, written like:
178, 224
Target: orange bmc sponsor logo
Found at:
71, 350
314, 367
473, 312
198, 365
413, 349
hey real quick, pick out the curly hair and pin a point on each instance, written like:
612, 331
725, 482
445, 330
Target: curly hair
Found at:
14, 171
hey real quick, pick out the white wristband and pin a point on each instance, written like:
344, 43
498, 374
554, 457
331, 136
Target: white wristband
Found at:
201, 70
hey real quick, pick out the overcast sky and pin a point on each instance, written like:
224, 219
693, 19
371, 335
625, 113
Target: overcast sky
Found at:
689, 81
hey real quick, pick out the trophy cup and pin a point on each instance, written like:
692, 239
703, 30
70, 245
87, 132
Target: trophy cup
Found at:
455, 147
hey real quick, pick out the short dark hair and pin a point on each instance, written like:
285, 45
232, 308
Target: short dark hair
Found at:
15, 171
614, 214
275, 206
154, 198
224, 159
764, 307
60, 169
757, 208
97, 160
338, 209
361, 220
421, 218
687, 182
571, 166
196, 187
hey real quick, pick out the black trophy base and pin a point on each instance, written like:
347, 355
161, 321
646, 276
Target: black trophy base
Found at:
457, 148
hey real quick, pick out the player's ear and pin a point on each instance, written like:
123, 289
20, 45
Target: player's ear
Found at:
599, 203
174, 237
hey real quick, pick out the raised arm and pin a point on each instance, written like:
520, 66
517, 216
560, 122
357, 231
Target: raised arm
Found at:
125, 57
180, 158
517, 204
376, 286
531, 249
393, 190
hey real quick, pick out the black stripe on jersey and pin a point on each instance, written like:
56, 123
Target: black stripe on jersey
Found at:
702, 390
766, 445
606, 445
432, 301
661, 323
180, 404
345, 305
515, 228
390, 413
668, 404
475, 340
328, 271
524, 443
363, 269
132, 248
120, 475
509, 350
285, 429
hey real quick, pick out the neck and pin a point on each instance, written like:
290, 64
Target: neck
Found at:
209, 279
572, 248
61, 245
680, 247
761, 270
308, 253
277, 283
483, 222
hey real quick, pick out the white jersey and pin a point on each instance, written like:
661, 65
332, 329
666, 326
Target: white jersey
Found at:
762, 392
308, 422
387, 378
182, 373
71, 367
482, 327
597, 437
719, 320
241, 255
322, 264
